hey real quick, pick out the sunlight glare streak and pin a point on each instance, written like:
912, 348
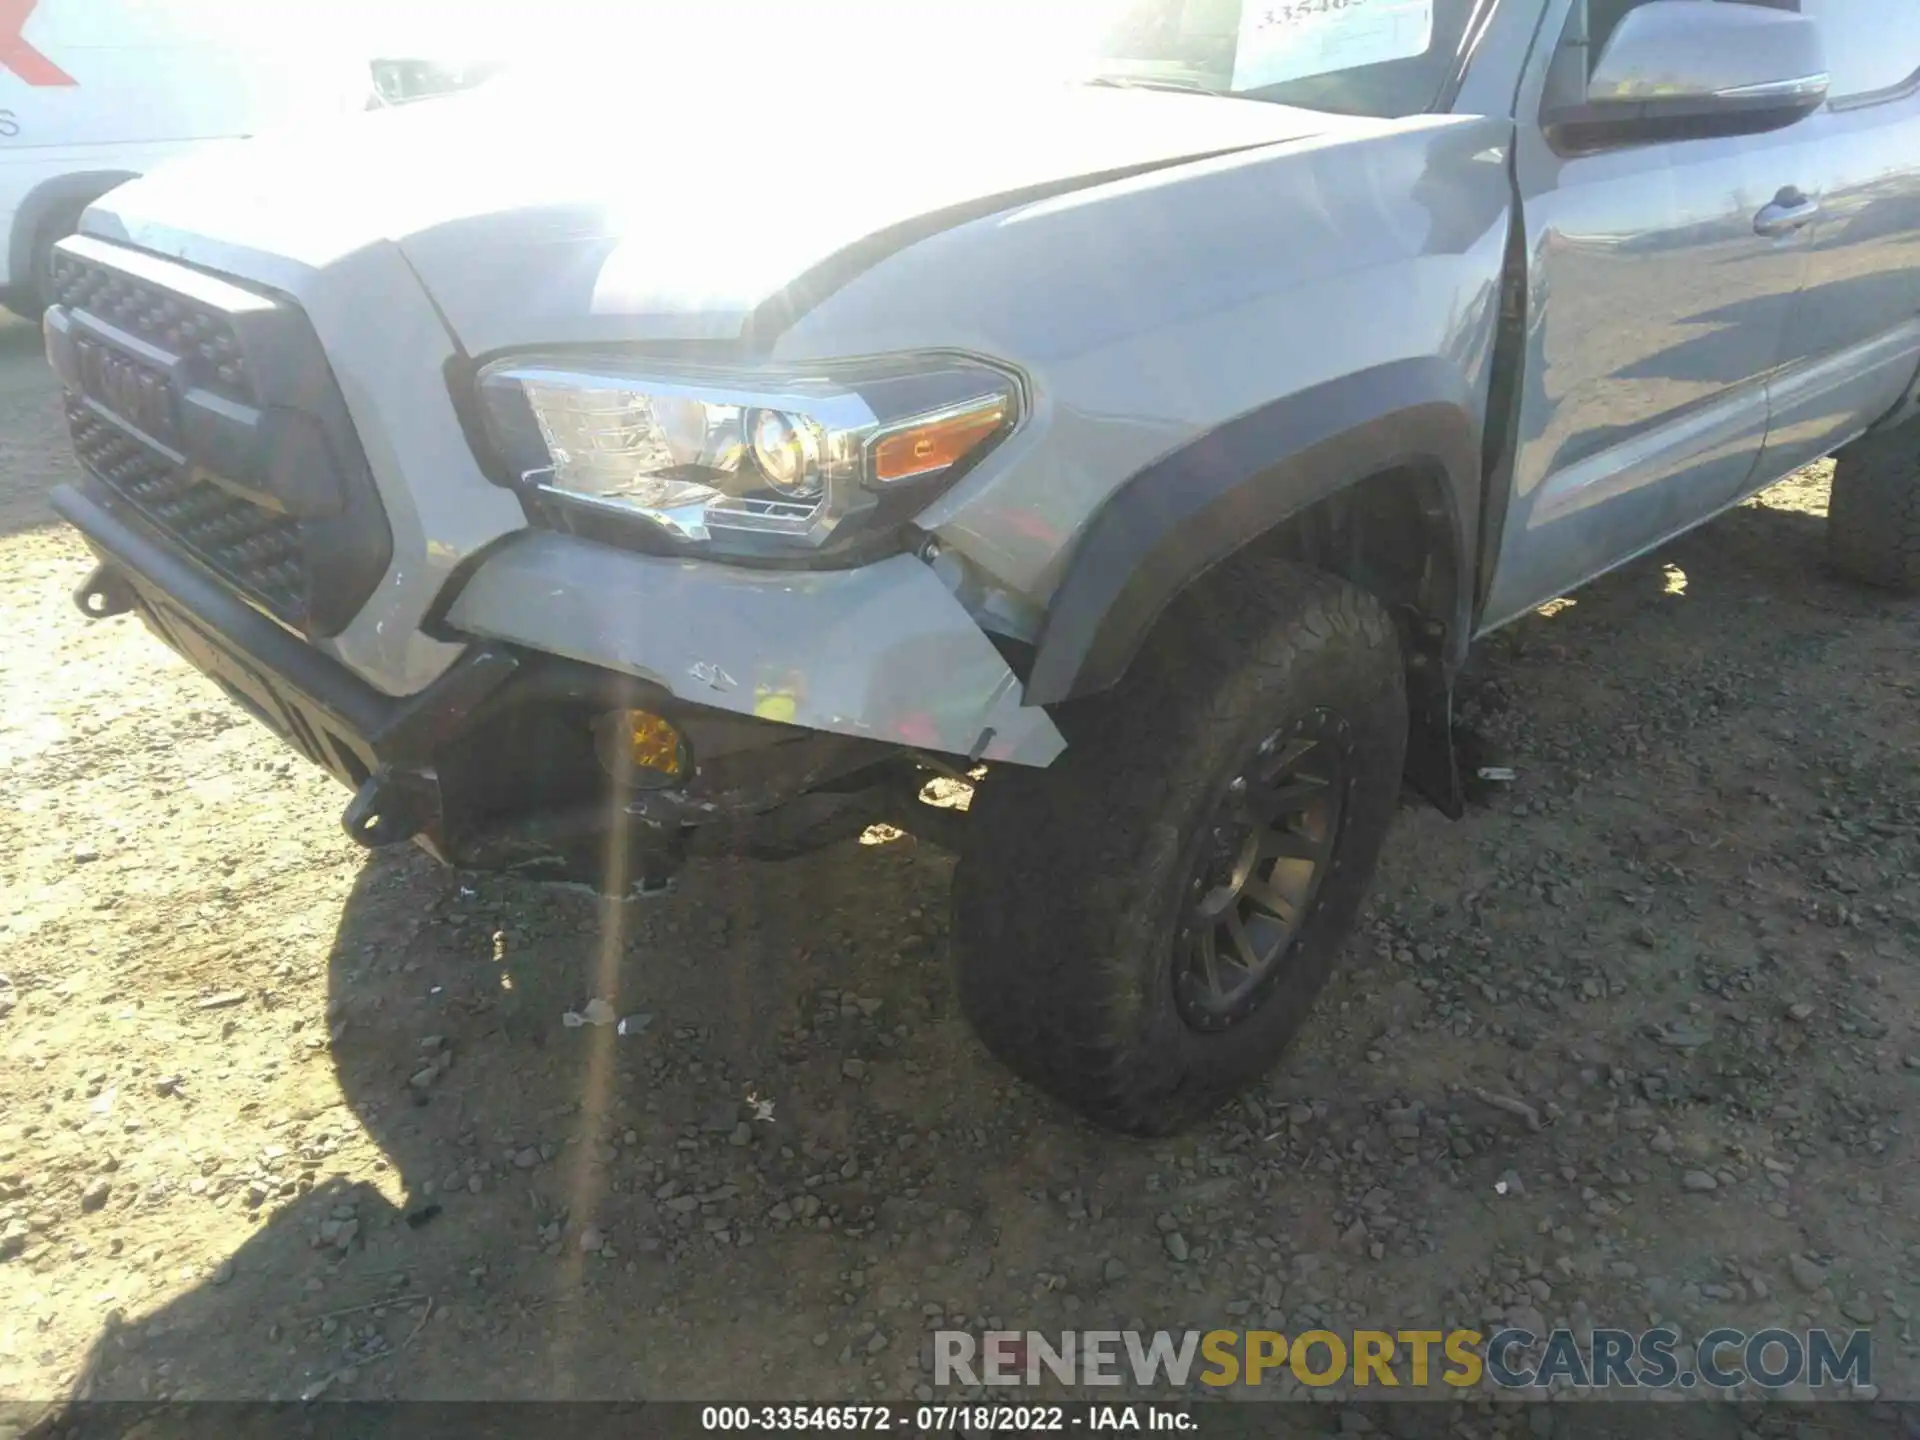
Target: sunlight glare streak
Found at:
582, 1179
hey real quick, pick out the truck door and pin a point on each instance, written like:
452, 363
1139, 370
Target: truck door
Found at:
1656, 313
1853, 337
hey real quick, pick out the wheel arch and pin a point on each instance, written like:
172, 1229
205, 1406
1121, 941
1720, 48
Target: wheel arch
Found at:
1392, 453
56, 195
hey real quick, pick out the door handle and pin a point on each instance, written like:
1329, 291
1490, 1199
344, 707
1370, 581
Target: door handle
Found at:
1790, 211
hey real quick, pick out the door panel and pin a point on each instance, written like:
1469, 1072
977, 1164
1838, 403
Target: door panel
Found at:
1853, 337
1656, 312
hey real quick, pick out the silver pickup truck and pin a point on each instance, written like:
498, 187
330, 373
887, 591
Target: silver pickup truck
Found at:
1133, 454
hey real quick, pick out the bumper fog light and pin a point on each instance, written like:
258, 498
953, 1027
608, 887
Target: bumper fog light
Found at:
639, 748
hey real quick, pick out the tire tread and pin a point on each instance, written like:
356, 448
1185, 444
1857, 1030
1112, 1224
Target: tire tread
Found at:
1049, 901
1873, 516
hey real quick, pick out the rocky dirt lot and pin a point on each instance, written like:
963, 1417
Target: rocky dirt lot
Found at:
1638, 1039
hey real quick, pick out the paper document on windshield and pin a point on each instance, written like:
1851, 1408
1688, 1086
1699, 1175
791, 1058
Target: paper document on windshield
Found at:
1284, 40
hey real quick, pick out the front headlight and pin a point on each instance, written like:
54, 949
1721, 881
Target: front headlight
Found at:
742, 463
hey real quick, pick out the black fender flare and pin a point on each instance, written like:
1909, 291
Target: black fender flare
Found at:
1188, 511
75, 190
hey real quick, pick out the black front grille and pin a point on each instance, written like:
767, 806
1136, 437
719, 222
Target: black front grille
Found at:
254, 550
169, 321
211, 408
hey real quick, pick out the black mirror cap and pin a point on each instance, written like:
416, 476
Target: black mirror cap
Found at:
1583, 129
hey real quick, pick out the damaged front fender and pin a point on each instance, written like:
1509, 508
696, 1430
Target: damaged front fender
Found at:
884, 652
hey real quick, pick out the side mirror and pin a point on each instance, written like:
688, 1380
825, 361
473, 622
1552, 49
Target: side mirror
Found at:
1675, 69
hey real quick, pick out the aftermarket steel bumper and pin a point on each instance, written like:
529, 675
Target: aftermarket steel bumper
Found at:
487, 766
381, 747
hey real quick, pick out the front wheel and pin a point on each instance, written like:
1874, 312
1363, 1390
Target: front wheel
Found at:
1142, 927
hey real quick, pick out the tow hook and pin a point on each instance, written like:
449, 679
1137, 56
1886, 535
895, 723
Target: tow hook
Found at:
103, 594
391, 806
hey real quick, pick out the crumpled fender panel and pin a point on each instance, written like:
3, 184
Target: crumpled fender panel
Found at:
884, 651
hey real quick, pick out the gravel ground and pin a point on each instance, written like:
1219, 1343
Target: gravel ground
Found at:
1635, 1040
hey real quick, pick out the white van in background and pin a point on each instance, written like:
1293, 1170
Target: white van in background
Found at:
95, 92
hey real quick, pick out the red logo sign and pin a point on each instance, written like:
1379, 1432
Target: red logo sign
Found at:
17, 55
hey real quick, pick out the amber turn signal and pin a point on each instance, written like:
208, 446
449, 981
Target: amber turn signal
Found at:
637, 747
929, 446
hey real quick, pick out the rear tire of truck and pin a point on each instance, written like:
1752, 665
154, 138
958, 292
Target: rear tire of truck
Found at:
1873, 514
1141, 928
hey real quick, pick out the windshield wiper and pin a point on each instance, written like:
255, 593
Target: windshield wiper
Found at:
1135, 82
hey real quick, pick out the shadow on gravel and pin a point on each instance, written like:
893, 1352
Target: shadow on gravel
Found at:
751, 1191
666, 1212
1787, 548
1754, 555
34, 455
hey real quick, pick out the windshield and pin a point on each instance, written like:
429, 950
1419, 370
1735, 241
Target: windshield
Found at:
1385, 58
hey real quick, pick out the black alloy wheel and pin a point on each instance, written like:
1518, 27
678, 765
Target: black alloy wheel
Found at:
1273, 839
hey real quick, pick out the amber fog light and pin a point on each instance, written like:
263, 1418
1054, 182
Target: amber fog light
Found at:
639, 748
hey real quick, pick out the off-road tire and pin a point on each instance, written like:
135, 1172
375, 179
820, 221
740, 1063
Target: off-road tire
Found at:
1070, 894
1873, 514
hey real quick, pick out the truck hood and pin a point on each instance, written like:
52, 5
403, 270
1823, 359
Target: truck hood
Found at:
630, 216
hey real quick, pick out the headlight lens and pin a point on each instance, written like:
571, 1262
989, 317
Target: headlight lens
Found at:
787, 449
744, 464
